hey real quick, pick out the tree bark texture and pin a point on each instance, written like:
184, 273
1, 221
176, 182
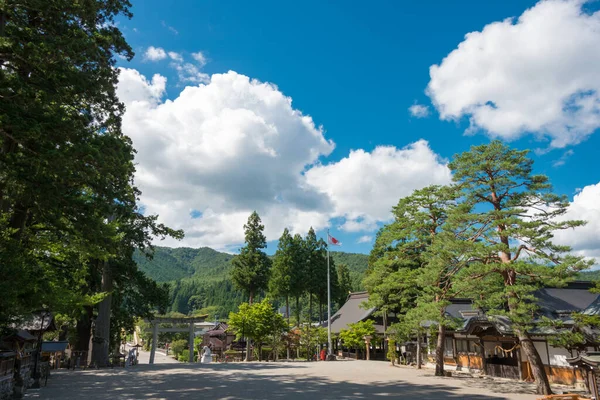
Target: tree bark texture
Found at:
101, 340
535, 362
287, 311
418, 350
439, 350
248, 355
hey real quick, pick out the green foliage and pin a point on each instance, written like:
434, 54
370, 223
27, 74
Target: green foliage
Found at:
344, 284
589, 275
251, 268
284, 262
313, 335
400, 276
68, 207
201, 277
257, 321
509, 225
185, 356
178, 346
169, 264
354, 336
357, 265
391, 351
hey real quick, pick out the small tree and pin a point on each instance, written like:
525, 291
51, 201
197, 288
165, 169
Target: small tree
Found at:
312, 337
354, 338
178, 346
257, 322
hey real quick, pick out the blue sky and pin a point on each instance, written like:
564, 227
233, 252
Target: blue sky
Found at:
355, 68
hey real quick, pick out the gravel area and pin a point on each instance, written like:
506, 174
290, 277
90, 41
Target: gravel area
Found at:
316, 380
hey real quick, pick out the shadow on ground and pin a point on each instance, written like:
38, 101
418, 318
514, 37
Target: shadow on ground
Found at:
228, 381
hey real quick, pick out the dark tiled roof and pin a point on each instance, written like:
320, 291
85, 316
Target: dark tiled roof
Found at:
553, 301
351, 312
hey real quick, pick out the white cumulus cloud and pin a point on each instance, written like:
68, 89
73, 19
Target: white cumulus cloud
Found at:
224, 149
418, 110
230, 145
364, 186
134, 87
585, 240
155, 54
534, 74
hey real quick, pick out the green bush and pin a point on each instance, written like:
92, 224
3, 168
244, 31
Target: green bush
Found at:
178, 346
185, 356
391, 352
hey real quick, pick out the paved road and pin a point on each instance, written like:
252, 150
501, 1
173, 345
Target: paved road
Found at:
293, 381
159, 358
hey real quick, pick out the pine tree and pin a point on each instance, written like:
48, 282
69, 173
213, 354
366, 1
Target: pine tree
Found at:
280, 285
509, 230
298, 281
252, 267
400, 278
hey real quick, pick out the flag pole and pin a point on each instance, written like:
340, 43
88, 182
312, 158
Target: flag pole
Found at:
328, 302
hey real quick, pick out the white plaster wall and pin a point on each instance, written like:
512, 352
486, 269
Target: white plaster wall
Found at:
558, 356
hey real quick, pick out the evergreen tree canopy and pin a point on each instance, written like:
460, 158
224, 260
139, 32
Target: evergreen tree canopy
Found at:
251, 268
508, 227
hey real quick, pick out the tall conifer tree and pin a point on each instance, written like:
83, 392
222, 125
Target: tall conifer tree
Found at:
509, 230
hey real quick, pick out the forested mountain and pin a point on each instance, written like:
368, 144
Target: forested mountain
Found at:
200, 278
170, 264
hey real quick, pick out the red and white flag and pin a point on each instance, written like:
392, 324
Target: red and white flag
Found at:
333, 241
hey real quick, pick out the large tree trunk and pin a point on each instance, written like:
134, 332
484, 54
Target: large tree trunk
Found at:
101, 341
308, 351
535, 362
418, 350
248, 355
439, 351
84, 331
298, 326
287, 311
385, 341
320, 311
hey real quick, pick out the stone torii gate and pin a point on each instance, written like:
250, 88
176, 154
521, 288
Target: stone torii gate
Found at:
190, 321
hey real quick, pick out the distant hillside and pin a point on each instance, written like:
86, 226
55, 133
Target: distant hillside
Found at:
174, 264
199, 278
357, 264
590, 275
170, 264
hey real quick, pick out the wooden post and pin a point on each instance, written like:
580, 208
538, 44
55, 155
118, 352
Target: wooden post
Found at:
191, 343
154, 341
